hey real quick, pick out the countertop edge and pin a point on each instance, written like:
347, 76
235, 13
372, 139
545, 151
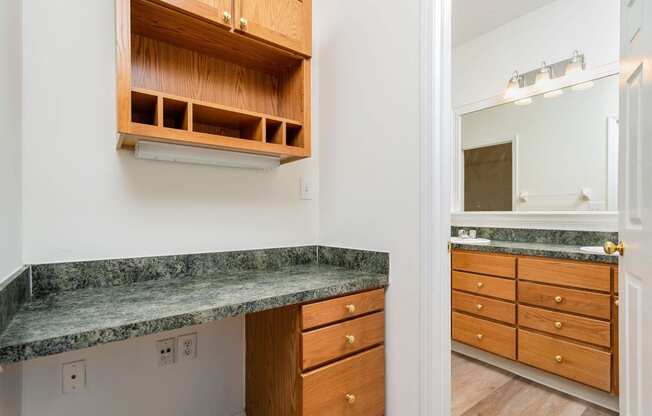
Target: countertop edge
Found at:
538, 252
41, 348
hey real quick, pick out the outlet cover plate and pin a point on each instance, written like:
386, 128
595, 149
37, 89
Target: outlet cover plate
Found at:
187, 347
73, 377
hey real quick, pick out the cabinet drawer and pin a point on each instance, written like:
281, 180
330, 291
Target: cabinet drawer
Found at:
485, 285
493, 264
338, 309
329, 343
570, 326
566, 273
360, 379
615, 280
568, 300
489, 336
576, 362
485, 307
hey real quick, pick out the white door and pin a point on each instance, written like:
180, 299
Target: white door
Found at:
635, 203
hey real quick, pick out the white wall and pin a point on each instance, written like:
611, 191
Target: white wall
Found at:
10, 155
85, 200
482, 67
368, 86
568, 132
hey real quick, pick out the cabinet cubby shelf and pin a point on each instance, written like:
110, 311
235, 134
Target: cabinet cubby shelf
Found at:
156, 116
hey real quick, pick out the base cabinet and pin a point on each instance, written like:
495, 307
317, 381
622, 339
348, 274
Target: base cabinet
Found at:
318, 359
565, 313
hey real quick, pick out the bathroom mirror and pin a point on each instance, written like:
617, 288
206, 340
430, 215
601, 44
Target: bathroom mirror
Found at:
544, 153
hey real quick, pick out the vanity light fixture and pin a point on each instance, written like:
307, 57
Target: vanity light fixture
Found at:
524, 101
544, 75
553, 94
583, 86
513, 85
576, 64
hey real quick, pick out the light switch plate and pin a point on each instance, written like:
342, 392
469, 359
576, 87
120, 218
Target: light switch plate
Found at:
73, 377
165, 350
187, 347
307, 189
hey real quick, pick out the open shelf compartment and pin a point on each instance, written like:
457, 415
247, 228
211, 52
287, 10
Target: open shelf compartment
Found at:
144, 108
220, 122
274, 131
175, 114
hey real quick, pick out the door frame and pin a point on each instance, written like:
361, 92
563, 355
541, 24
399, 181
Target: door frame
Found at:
435, 208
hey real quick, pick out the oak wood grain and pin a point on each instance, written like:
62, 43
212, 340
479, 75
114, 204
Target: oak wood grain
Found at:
576, 301
491, 264
484, 285
579, 363
566, 273
329, 343
485, 307
496, 338
362, 375
576, 327
333, 310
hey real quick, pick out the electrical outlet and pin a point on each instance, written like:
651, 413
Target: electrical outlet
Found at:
165, 349
307, 189
73, 377
187, 347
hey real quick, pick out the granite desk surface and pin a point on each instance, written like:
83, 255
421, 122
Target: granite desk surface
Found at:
73, 320
555, 251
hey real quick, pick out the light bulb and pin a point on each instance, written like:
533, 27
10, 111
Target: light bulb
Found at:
524, 101
544, 76
513, 86
576, 65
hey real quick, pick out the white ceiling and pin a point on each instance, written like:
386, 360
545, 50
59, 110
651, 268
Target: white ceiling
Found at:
472, 18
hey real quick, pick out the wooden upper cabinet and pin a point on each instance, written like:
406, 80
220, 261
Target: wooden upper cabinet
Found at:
216, 11
283, 23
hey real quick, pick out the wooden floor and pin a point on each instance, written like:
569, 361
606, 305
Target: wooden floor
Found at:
482, 390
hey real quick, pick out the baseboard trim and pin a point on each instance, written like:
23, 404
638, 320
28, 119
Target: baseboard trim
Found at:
572, 388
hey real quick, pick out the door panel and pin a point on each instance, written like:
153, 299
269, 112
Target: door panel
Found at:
635, 204
217, 11
284, 23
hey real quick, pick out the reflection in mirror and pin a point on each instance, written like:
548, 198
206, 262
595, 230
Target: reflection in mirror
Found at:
549, 153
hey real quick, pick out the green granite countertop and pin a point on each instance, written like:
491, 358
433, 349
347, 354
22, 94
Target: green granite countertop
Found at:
72, 320
555, 251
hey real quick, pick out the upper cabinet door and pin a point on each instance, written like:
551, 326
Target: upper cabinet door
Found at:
284, 23
217, 11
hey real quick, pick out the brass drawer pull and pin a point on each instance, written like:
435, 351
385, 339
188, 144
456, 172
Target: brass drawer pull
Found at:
350, 339
558, 325
350, 308
350, 398
479, 336
479, 307
559, 359
480, 285
559, 299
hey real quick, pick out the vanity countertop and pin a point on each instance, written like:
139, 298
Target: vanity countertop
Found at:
555, 251
76, 319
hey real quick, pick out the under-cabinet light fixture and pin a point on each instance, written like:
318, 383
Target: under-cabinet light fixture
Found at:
544, 75
202, 156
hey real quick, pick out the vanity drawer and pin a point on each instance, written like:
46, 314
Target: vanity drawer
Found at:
493, 264
485, 285
570, 326
569, 300
329, 343
333, 310
485, 307
489, 336
576, 362
354, 386
566, 273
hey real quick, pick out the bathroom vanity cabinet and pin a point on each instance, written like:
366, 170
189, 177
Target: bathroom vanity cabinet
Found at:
223, 74
320, 358
556, 315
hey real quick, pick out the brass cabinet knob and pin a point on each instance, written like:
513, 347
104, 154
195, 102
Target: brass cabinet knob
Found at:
350, 398
350, 339
559, 299
480, 285
559, 359
479, 307
617, 302
558, 325
479, 337
243, 23
611, 248
226, 17
350, 308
